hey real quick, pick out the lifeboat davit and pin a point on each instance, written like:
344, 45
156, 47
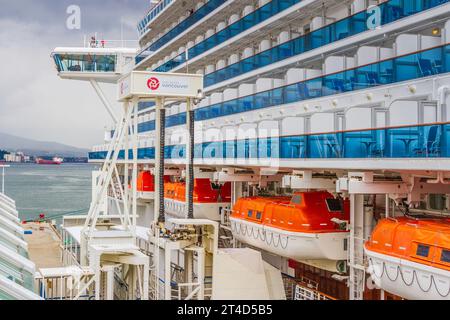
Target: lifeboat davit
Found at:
411, 258
299, 228
209, 202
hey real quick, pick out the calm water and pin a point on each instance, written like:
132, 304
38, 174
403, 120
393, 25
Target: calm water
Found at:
52, 190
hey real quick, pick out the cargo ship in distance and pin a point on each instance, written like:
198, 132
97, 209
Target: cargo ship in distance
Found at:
54, 161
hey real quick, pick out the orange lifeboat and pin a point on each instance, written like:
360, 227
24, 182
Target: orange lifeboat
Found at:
299, 228
411, 257
208, 201
146, 184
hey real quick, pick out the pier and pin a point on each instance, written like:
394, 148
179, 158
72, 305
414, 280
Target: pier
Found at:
44, 245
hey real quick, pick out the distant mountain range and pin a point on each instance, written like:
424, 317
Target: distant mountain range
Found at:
39, 148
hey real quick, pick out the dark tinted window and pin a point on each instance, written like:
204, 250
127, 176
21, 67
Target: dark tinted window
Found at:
250, 213
259, 215
423, 251
334, 205
445, 256
297, 199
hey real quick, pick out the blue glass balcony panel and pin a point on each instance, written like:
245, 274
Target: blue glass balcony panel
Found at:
152, 14
409, 67
420, 141
198, 15
256, 17
329, 34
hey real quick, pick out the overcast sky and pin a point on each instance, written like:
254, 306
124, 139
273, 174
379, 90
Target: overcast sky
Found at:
34, 102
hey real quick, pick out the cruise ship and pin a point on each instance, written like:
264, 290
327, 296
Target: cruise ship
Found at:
269, 150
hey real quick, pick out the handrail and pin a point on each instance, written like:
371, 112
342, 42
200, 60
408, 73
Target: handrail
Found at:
281, 145
189, 21
273, 3
280, 95
209, 79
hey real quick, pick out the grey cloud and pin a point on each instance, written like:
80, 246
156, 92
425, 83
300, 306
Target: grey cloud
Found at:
34, 102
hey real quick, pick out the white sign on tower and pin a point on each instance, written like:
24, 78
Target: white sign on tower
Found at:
155, 84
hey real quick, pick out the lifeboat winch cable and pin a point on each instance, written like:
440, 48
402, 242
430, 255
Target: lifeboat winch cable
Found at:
162, 215
190, 168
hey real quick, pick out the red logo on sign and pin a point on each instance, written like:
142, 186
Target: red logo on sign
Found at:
153, 83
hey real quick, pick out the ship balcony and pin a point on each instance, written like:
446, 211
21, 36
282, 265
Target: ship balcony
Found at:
223, 29
178, 18
155, 11
418, 142
338, 76
347, 83
154, 39
206, 20
101, 64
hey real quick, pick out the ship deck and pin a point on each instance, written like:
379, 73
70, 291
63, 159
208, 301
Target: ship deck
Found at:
44, 245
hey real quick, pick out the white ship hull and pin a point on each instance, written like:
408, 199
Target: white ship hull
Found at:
293, 245
407, 279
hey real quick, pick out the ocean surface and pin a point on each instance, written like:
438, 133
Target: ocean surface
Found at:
51, 190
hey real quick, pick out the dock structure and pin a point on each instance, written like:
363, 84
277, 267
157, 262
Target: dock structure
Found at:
44, 245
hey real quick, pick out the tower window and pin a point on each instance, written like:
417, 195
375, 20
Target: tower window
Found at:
297, 199
445, 256
334, 205
423, 251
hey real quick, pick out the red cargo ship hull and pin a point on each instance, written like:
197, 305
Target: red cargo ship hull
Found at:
48, 162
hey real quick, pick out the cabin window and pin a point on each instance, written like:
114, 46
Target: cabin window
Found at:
250, 213
297, 199
445, 256
334, 205
259, 215
423, 251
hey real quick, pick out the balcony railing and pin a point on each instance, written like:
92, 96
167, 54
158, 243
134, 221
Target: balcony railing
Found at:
418, 141
152, 14
198, 15
356, 24
390, 12
403, 68
256, 17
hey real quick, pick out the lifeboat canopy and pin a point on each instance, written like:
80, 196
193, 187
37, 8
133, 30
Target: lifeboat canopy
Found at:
301, 227
411, 257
